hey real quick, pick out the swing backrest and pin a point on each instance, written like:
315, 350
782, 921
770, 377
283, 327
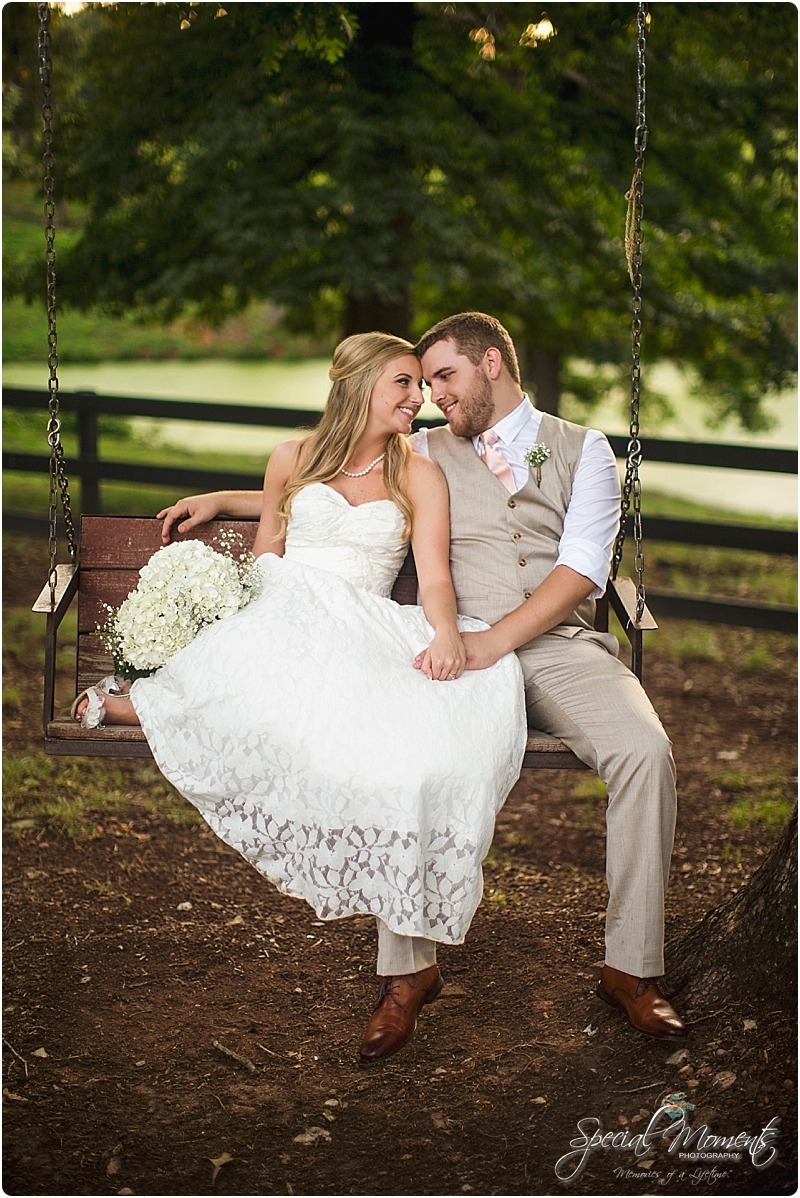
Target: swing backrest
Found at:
113, 551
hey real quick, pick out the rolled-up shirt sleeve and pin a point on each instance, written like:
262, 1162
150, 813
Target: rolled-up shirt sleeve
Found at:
592, 518
419, 442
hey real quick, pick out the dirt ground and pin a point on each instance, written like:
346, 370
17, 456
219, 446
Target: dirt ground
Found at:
134, 952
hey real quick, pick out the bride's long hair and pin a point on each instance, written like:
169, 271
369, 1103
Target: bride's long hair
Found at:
357, 364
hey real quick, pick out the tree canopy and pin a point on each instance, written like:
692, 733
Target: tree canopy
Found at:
382, 165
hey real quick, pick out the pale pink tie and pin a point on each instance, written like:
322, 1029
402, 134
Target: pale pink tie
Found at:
495, 460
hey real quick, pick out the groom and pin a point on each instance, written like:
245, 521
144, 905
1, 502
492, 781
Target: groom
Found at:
530, 549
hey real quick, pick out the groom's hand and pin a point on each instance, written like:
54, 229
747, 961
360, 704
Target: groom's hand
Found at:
482, 649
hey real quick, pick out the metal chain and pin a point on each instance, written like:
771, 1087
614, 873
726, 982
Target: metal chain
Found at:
632, 488
59, 483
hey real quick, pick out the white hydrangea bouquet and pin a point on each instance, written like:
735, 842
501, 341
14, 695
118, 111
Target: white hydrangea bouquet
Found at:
183, 587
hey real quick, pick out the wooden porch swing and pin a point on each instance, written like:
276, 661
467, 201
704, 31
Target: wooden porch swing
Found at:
114, 548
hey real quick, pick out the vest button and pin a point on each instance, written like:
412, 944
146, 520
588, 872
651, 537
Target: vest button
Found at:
522, 561
516, 535
512, 503
527, 594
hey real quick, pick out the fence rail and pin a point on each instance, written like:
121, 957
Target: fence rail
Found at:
91, 469
713, 609
659, 528
88, 403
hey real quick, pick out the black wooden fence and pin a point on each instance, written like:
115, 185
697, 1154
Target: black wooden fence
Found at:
91, 469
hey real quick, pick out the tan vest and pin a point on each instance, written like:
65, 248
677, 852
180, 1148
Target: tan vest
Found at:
503, 546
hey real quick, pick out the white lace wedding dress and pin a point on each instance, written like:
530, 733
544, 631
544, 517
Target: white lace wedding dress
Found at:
303, 735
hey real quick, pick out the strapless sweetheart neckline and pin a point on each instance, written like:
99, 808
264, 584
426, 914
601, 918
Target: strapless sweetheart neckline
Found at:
360, 542
369, 502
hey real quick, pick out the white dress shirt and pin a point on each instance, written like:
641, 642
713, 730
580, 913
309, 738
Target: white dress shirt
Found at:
592, 516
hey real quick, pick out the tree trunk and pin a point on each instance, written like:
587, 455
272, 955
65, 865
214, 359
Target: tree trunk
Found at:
747, 945
545, 370
381, 62
371, 314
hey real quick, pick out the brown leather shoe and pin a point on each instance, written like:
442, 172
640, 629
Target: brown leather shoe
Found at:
395, 1016
644, 1003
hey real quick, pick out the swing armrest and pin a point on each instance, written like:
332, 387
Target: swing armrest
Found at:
65, 590
622, 597
621, 594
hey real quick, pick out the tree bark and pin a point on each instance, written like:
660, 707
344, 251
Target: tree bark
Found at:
382, 55
545, 370
381, 63
746, 946
372, 314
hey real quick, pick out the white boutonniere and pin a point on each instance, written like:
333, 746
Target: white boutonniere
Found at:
536, 457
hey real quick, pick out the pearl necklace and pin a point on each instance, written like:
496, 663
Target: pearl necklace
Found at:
361, 473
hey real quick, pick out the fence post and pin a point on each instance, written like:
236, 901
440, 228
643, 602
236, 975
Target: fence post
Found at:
88, 458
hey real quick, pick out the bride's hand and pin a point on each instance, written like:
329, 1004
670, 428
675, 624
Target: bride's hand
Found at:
195, 509
445, 657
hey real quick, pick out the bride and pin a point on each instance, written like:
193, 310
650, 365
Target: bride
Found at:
301, 727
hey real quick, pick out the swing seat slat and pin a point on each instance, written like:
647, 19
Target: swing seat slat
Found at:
113, 550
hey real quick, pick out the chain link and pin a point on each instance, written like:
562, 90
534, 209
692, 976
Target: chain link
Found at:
632, 487
59, 483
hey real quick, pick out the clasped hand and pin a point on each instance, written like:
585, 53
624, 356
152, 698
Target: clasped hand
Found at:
444, 660
445, 657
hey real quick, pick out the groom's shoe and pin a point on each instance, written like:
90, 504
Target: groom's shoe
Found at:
395, 1016
644, 1003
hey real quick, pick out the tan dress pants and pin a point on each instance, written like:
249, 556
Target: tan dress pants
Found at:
399, 955
577, 689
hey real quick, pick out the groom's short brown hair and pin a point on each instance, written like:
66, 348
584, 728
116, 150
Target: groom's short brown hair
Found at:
473, 333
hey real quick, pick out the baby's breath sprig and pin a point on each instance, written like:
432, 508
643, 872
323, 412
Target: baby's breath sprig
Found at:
536, 457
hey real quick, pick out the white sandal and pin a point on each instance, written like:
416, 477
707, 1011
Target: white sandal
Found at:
92, 715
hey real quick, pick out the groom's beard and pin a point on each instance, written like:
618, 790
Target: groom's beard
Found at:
474, 413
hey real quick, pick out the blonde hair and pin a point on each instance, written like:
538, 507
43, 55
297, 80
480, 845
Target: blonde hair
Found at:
357, 365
